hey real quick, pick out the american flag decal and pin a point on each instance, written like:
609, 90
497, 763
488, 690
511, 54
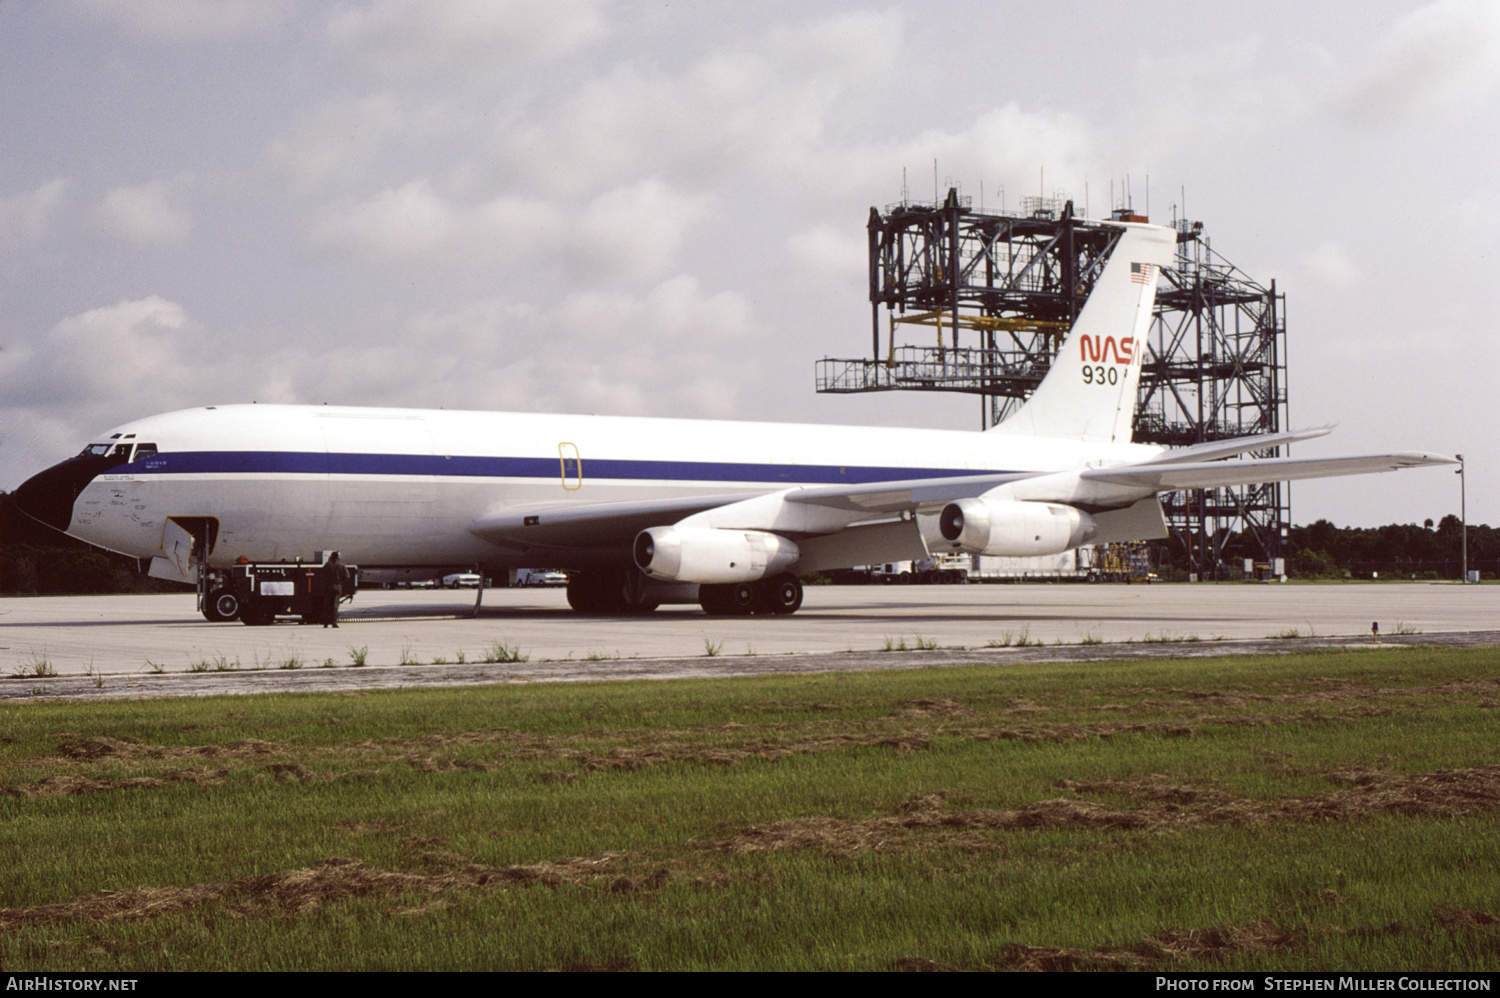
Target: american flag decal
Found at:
1143, 273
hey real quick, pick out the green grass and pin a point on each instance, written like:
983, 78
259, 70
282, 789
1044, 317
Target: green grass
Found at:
1316, 811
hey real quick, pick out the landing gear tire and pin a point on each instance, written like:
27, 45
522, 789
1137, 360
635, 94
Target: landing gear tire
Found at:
729, 599
610, 591
781, 594
585, 594
221, 605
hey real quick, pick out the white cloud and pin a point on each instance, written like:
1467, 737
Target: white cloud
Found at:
100, 367
149, 215
659, 353
664, 354
824, 256
27, 218
1007, 141
1440, 59
96, 358
1330, 265
845, 48
408, 222
413, 38
414, 223
758, 107
1219, 92
175, 21
338, 140
628, 232
635, 230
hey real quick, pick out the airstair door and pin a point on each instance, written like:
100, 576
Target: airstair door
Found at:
180, 554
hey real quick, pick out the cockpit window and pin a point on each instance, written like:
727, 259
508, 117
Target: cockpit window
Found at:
119, 451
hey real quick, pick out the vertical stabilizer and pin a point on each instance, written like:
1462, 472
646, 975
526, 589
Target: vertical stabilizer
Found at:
1089, 394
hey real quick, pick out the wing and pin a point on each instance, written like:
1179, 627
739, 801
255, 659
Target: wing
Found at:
841, 525
836, 526
590, 525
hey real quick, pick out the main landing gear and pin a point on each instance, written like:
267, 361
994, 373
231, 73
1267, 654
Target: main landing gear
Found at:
780, 594
628, 591
619, 590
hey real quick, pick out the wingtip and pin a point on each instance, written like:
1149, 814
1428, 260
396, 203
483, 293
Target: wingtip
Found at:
1417, 458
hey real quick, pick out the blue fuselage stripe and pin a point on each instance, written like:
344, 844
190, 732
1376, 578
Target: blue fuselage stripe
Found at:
313, 463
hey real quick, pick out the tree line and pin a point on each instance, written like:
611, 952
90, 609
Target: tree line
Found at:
1397, 550
35, 559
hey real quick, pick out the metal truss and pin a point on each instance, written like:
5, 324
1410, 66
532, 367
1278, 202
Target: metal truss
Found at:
1012, 284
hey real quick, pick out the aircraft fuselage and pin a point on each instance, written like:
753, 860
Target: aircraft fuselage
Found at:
394, 487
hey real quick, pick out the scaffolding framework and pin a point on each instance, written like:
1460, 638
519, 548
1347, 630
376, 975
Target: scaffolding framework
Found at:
1001, 290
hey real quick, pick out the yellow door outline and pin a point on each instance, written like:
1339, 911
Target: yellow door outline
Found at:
571, 465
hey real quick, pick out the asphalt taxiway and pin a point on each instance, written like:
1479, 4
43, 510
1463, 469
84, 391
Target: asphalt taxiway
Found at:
135, 643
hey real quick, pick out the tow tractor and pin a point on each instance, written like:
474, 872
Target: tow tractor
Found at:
259, 592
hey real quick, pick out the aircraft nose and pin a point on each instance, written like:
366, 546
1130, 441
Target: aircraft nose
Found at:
48, 496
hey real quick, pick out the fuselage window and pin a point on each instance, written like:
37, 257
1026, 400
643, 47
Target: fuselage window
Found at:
144, 450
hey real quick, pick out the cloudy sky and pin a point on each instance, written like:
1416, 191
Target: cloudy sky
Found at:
659, 208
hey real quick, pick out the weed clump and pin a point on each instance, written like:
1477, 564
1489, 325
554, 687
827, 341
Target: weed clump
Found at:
36, 667
501, 652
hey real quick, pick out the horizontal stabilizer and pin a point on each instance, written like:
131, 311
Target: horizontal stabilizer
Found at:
1164, 476
1215, 449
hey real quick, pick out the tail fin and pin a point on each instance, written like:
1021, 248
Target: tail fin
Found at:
1090, 392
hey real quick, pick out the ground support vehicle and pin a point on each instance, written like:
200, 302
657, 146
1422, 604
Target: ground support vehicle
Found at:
258, 593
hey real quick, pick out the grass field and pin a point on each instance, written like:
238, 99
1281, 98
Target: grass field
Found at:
1330, 811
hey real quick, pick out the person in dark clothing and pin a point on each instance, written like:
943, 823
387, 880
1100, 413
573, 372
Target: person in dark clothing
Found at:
333, 589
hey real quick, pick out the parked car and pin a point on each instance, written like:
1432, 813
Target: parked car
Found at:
526, 577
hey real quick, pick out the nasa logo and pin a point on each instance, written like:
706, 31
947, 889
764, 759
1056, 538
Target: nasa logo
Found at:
1093, 351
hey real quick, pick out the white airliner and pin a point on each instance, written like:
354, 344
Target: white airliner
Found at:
645, 511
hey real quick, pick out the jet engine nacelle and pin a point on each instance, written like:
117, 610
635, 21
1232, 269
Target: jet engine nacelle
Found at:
1015, 529
711, 555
